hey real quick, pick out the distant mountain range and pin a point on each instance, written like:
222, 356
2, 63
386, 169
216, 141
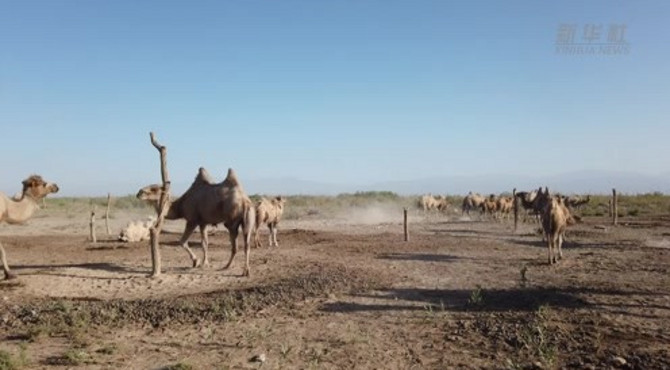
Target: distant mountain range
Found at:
591, 182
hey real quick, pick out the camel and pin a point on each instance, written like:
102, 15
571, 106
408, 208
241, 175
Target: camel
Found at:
151, 194
137, 231
490, 205
575, 201
505, 206
534, 201
209, 203
472, 201
555, 219
427, 202
269, 212
442, 203
14, 211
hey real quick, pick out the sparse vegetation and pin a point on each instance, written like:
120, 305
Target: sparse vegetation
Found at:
476, 297
13, 362
179, 366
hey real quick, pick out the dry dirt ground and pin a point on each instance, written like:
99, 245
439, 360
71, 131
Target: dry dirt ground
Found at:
460, 294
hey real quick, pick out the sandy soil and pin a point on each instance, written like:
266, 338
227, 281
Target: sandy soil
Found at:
460, 294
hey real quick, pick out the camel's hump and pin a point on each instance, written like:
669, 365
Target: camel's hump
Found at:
203, 177
231, 178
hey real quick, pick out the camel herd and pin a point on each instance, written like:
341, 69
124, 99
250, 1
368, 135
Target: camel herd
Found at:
207, 202
552, 211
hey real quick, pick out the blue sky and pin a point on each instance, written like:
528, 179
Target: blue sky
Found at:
347, 92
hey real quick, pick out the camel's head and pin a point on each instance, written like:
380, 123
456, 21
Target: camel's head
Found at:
280, 201
36, 188
150, 192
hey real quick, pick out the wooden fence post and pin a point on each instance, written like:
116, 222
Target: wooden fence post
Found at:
109, 201
91, 225
515, 206
406, 228
615, 208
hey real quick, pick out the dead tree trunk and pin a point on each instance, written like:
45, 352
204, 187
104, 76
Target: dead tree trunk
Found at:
109, 202
162, 209
91, 226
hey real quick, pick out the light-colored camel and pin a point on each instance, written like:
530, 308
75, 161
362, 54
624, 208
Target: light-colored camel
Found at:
472, 201
209, 203
442, 203
505, 205
19, 211
269, 212
490, 206
137, 231
555, 220
427, 202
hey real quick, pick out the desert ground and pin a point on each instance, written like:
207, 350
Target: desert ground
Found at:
341, 292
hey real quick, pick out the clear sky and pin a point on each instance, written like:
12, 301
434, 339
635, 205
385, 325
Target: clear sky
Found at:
349, 92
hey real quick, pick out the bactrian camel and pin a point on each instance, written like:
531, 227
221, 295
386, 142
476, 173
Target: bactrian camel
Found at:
269, 212
472, 201
13, 211
209, 203
555, 220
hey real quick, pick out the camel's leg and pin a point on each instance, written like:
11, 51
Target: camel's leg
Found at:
188, 231
233, 245
274, 235
270, 228
205, 244
246, 231
257, 240
549, 250
560, 246
5, 267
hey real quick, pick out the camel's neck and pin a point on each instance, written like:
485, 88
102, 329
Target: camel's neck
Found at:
20, 211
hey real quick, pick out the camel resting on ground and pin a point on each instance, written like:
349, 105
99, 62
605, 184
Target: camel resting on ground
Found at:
209, 203
13, 211
137, 231
269, 212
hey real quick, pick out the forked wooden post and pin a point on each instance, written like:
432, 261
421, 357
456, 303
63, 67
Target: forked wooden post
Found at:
155, 231
91, 226
406, 228
515, 205
109, 201
615, 208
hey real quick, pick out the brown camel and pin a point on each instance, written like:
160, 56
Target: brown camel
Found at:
269, 212
19, 211
209, 203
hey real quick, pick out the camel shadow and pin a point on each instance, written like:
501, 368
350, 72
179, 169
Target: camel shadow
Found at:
425, 257
522, 299
98, 266
461, 300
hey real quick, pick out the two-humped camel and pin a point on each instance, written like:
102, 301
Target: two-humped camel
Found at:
209, 203
17, 211
555, 219
269, 212
472, 201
